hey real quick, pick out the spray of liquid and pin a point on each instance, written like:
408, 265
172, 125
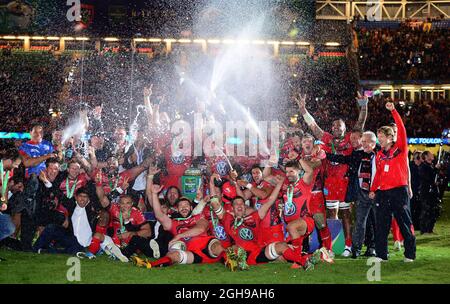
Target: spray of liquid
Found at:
134, 127
76, 128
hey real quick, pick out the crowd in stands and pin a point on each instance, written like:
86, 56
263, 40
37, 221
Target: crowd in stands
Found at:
108, 79
403, 53
29, 85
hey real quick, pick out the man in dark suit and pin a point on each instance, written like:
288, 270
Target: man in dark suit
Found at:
361, 173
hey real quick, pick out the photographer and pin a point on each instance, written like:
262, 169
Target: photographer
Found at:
76, 232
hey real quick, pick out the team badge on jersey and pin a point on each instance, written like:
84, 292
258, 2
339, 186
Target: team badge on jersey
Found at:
222, 168
220, 233
289, 209
246, 234
178, 157
257, 205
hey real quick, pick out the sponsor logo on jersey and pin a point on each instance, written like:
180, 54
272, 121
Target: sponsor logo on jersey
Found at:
222, 168
178, 157
246, 234
220, 233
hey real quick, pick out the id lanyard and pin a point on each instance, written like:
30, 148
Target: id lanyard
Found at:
238, 222
214, 220
115, 183
69, 191
4, 178
122, 226
290, 196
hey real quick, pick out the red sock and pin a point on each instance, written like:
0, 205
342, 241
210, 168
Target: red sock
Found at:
293, 256
100, 229
298, 243
325, 235
94, 247
162, 262
348, 241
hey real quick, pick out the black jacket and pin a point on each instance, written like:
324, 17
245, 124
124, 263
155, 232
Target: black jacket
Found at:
92, 212
353, 161
415, 178
428, 185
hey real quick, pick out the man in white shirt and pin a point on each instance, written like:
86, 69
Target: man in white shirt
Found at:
74, 236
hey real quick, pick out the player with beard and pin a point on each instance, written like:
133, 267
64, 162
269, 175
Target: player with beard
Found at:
295, 210
315, 155
243, 227
259, 191
191, 243
336, 182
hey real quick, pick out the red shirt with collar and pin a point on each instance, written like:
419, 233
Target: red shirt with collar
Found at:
392, 165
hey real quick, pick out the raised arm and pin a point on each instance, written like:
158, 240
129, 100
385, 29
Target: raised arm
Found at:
317, 131
104, 201
402, 141
308, 177
164, 219
135, 171
262, 193
200, 200
213, 190
83, 162
92, 158
217, 207
363, 102
152, 171
272, 198
150, 113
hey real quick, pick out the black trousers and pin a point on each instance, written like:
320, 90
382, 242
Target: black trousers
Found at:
66, 242
429, 213
28, 213
416, 210
393, 202
138, 243
364, 207
27, 230
370, 229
